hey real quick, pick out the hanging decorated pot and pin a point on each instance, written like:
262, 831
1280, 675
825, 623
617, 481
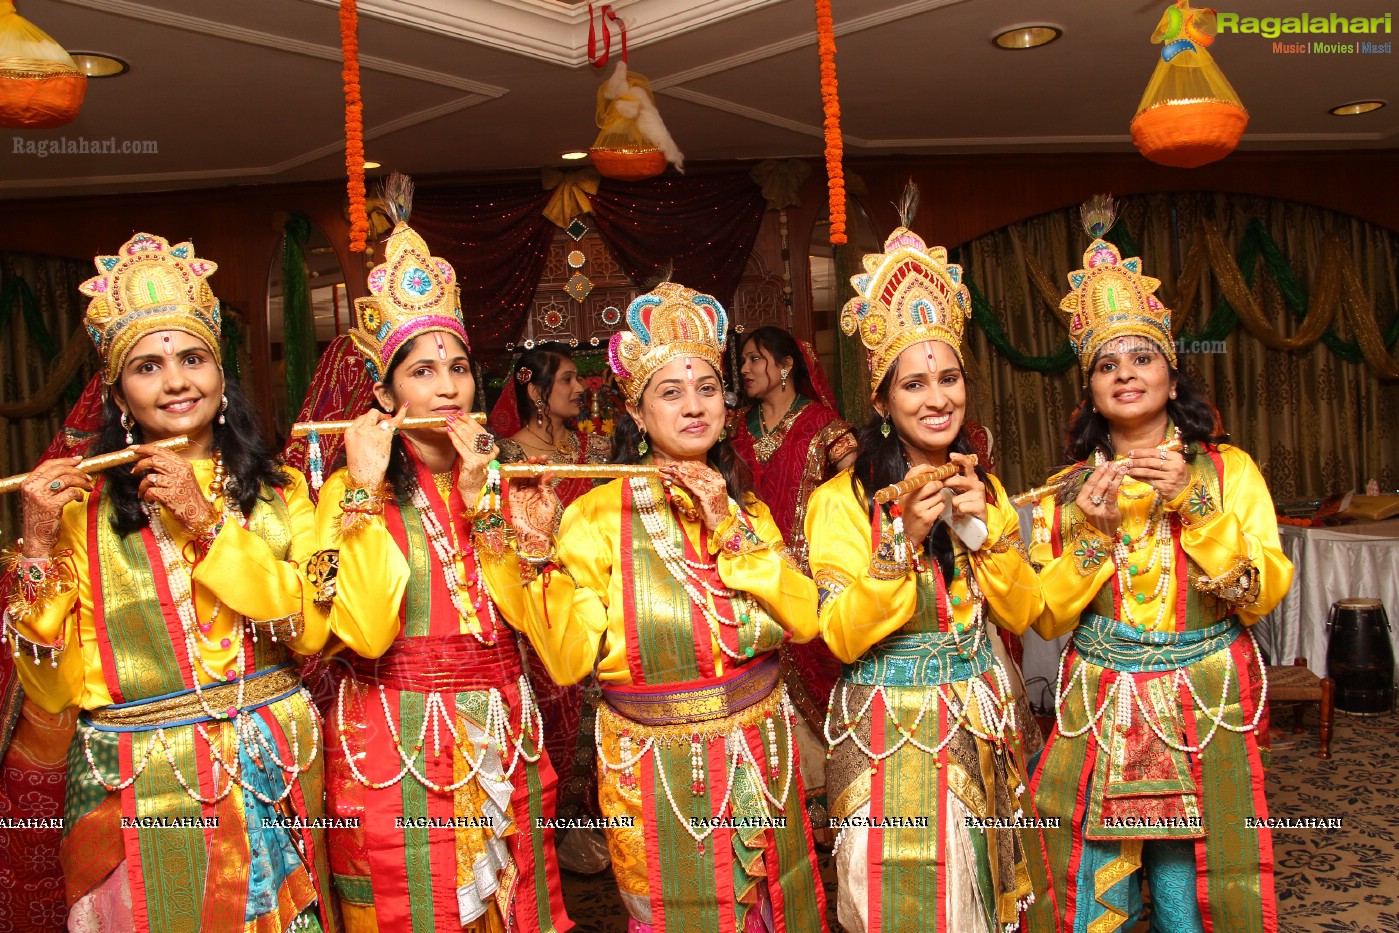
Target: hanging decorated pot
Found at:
632, 142
40, 86
1190, 114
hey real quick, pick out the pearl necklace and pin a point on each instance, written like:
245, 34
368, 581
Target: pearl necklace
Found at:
1157, 526
684, 570
446, 548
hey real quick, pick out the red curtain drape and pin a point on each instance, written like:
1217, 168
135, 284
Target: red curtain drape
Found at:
497, 239
705, 225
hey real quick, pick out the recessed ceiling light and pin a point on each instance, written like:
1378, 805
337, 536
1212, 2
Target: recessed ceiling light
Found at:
1028, 36
1357, 107
573, 156
369, 165
99, 65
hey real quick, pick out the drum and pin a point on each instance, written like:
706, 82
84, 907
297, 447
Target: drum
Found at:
1360, 657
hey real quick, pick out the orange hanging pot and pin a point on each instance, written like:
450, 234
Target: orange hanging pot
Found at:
628, 164
1188, 133
36, 94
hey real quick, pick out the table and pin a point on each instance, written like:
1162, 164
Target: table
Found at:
1330, 564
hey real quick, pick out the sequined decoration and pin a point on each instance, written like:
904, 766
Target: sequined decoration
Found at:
579, 286
577, 229
576, 259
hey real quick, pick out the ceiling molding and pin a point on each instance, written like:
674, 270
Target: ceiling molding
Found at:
551, 32
267, 40
782, 46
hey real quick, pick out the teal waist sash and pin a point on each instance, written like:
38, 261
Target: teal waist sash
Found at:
1118, 646
922, 659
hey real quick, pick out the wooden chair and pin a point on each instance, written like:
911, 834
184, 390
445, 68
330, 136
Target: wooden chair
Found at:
1296, 684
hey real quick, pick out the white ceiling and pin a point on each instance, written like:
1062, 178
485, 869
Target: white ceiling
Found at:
250, 92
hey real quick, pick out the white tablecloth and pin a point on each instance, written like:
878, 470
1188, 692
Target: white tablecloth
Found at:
1330, 564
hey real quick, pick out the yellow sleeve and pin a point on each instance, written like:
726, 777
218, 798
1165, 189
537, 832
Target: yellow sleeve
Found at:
238, 557
56, 621
860, 605
754, 562
1070, 581
372, 576
567, 607
1235, 542
1009, 583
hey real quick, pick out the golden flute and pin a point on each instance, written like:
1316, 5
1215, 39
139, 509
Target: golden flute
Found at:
303, 428
101, 461
905, 486
575, 470
1050, 489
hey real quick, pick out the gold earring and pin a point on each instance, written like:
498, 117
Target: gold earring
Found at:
539, 407
784, 380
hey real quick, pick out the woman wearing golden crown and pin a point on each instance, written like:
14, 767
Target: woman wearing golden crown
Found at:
681, 578
435, 755
926, 769
164, 600
1158, 555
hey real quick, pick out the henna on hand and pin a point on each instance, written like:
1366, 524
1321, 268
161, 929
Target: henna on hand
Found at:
706, 486
42, 505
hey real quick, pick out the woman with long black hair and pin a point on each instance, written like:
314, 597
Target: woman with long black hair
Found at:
435, 759
165, 600
926, 771
1157, 555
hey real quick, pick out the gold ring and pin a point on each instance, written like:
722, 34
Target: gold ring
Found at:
56, 485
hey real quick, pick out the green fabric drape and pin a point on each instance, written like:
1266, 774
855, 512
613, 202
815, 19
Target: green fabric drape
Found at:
853, 379
15, 292
298, 328
1256, 241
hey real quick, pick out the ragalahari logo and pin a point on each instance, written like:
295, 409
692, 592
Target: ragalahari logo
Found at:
1328, 33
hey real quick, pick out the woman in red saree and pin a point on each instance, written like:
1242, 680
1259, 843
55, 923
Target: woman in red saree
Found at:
793, 441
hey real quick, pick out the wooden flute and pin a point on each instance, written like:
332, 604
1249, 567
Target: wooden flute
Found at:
575, 470
303, 428
101, 461
904, 487
1050, 489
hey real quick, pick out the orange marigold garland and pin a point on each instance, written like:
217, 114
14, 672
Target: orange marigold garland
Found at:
830, 103
354, 125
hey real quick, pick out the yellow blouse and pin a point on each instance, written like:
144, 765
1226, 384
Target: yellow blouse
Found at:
573, 611
373, 577
1216, 536
859, 609
239, 571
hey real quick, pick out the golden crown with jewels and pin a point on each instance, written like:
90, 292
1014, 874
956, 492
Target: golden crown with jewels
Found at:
411, 292
147, 287
668, 322
908, 294
1111, 298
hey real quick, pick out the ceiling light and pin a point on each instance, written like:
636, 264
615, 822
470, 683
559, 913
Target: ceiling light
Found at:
1028, 36
1357, 107
573, 156
99, 65
369, 165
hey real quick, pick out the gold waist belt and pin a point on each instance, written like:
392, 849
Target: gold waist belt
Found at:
189, 707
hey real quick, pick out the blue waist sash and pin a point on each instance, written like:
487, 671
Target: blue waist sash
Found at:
184, 708
1118, 646
921, 659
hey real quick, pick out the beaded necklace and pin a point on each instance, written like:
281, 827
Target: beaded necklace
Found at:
688, 573
1157, 531
448, 549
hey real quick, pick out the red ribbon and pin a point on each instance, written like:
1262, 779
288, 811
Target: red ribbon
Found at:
607, 13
